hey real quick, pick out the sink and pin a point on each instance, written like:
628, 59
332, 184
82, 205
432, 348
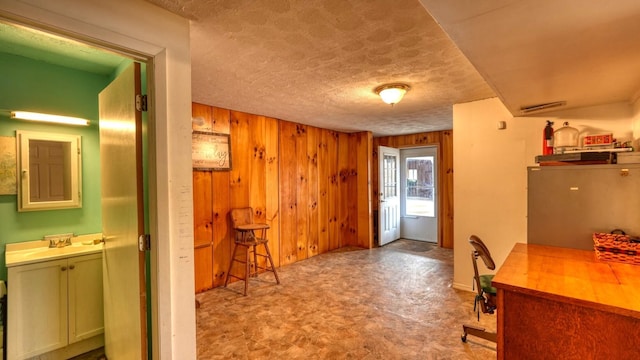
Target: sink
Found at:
37, 251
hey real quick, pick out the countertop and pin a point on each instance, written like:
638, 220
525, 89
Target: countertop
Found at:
38, 250
571, 275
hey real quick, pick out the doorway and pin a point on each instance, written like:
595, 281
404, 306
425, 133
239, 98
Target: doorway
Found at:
419, 194
80, 46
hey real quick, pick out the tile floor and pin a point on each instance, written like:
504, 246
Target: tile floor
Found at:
393, 302
97, 354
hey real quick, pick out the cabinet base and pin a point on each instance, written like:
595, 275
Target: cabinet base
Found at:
74, 349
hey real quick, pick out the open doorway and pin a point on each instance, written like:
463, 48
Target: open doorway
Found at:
418, 194
47, 50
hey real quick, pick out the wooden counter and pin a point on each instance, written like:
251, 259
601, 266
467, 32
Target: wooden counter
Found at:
560, 303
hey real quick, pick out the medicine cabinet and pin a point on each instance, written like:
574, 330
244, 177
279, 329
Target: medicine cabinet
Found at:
49, 171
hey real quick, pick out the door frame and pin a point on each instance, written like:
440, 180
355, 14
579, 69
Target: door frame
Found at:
403, 190
153, 335
118, 27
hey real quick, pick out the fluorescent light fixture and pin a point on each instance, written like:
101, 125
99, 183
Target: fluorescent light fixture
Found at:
392, 93
25, 115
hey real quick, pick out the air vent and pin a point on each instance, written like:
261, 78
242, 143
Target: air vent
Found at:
538, 107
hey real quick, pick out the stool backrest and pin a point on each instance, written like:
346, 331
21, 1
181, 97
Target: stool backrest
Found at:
482, 251
241, 216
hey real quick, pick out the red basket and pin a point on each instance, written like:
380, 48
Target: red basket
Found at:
617, 247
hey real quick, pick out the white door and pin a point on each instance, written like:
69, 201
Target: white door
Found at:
123, 217
418, 201
389, 186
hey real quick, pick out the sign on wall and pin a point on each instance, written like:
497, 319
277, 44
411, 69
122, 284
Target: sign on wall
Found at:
210, 151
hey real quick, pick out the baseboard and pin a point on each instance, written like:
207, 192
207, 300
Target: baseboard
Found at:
74, 349
460, 286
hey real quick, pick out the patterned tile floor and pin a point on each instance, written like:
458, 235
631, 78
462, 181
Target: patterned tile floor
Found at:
393, 302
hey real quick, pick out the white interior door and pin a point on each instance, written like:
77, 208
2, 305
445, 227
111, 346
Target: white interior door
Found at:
389, 187
418, 190
123, 217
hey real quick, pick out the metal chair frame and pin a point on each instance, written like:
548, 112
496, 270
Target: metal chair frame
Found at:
484, 301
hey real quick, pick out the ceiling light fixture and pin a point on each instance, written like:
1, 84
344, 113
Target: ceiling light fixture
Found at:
25, 115
392, 93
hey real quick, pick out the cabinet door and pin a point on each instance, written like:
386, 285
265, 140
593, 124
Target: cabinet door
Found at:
86, 317
37, 304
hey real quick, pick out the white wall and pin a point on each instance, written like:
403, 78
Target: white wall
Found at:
490, 177
146, 29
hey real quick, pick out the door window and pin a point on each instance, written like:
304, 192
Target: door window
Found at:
390, 169
419, 194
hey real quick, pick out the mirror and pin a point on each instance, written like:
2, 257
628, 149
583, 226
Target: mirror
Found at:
49, 171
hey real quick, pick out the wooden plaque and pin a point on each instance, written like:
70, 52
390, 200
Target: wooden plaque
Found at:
210, 151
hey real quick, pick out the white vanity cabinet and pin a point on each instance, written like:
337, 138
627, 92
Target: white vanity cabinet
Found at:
54, 304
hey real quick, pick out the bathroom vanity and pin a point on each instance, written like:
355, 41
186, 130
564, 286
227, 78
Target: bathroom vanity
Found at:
55, 298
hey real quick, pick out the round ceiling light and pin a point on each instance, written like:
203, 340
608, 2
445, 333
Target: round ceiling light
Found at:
392, 93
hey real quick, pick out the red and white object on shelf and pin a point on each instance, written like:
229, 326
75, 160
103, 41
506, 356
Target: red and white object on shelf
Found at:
598, 140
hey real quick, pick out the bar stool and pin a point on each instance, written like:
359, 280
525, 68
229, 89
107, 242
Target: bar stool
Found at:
245, 236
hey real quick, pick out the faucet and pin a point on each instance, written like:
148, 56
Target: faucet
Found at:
58, 241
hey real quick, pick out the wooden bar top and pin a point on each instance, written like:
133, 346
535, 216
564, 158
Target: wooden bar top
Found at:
572, 276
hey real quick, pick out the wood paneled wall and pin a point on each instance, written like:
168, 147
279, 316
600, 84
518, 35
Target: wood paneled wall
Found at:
444, 141
311, 185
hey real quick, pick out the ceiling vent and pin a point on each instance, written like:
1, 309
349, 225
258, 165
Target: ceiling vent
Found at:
538, 107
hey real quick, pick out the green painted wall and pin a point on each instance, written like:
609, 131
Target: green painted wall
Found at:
31, 85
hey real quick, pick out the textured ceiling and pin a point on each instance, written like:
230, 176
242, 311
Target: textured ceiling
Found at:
317, 62
539, 51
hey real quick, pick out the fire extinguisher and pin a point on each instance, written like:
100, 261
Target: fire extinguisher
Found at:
547, 139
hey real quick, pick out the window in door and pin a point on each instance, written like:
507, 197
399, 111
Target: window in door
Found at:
419, 194
390, 176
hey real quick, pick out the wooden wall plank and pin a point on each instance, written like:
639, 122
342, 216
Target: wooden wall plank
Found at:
343, 188
312, 191
257, 170
257, 167
201, 118
352, 184
202, 210
272, 181
203, 231
365, 224
221, 122
375, 177
203, 214
323, 191
445, 207
240, 173
288, 193
222, 231
333, 190
203, 260
302, 197
241, 160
